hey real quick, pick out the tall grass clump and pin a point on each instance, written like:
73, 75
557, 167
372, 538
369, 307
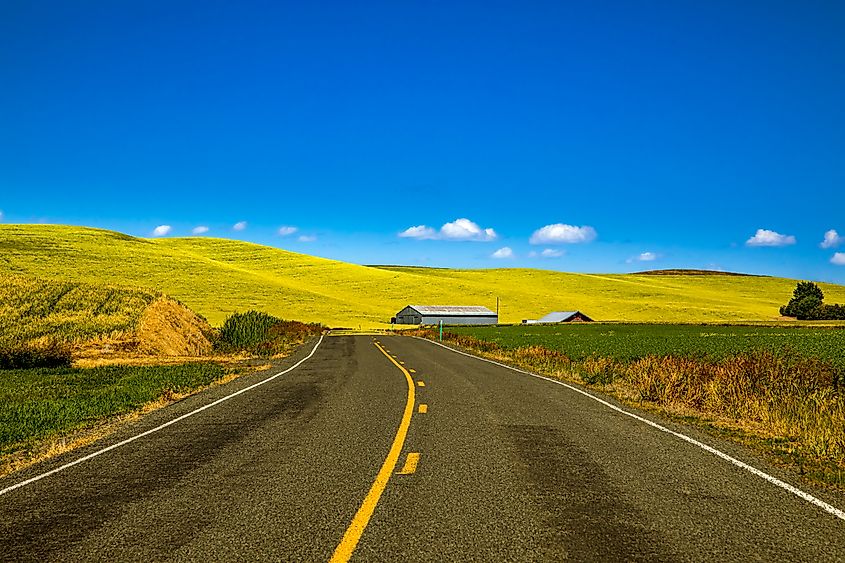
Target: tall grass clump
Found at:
782, 393
262, 334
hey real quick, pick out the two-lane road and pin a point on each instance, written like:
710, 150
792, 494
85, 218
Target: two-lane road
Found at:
392, 449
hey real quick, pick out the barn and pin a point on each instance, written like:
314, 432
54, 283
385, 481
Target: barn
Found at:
447, 314
562, 317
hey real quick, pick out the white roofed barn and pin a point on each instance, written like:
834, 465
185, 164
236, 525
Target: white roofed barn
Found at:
562, 317
447, 314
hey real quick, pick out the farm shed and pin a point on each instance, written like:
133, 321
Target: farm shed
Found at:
561, 317
448, 314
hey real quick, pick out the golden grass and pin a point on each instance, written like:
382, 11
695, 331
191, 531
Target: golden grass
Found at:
216, 277
168, 328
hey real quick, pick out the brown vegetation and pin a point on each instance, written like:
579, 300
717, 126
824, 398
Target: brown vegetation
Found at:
166, 332
169, 328
793, 405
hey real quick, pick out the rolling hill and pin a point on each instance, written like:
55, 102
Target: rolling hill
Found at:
216, 277
32, 308
122, 319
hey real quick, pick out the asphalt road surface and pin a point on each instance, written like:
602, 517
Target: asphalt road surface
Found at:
408, 452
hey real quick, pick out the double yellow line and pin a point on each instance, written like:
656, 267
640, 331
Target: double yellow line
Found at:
359, 523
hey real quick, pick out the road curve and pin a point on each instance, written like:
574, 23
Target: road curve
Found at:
494, 465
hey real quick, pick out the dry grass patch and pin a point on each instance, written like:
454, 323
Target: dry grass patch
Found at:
169, 328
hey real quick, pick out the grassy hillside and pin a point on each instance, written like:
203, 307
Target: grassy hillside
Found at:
33, 308
95, 319
217, 277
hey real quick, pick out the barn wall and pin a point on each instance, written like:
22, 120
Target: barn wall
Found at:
461, 320
408, 319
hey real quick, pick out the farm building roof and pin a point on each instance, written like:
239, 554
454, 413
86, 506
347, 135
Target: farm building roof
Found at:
444, 310
559, 316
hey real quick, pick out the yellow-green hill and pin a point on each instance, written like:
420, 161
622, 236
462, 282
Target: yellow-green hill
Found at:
32, 308
216, 277
122, 319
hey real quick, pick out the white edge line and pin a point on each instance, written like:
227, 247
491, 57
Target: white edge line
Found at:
157, 428
773, 480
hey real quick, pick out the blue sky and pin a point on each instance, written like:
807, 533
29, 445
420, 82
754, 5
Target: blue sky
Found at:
653, 134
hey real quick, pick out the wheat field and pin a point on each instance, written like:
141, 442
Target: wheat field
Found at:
216, 277
70, 311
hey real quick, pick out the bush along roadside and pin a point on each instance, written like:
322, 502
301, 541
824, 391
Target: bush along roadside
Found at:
48, 354
788, 404
260, 334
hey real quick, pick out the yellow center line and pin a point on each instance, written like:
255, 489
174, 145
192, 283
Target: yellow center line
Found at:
412, 370
423, 408
356, 528
420, 383
410, 464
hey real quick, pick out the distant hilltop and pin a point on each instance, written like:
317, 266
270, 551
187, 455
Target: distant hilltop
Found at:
693, 272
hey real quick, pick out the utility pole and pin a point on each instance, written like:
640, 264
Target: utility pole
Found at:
497, 308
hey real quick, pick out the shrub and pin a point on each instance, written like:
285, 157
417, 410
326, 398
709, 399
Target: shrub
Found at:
807, 308
262, 334
832, 312
242, 331
43, 355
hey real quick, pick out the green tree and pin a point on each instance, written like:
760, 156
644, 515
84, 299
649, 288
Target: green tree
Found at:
796, 305
807, 289
808, 308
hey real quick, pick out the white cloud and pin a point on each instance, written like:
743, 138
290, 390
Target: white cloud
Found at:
1, 215
504, 252
287, 230
643, 257
552, 253
464, 229
420, 232
162, 230
307, 238
200, 230
831, 238
765, 237
459, 229
559, 233
239, 226
838, 259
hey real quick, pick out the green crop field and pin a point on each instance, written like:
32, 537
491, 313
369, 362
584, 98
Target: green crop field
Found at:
31, 308
217, 277
40, 403
626, 342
